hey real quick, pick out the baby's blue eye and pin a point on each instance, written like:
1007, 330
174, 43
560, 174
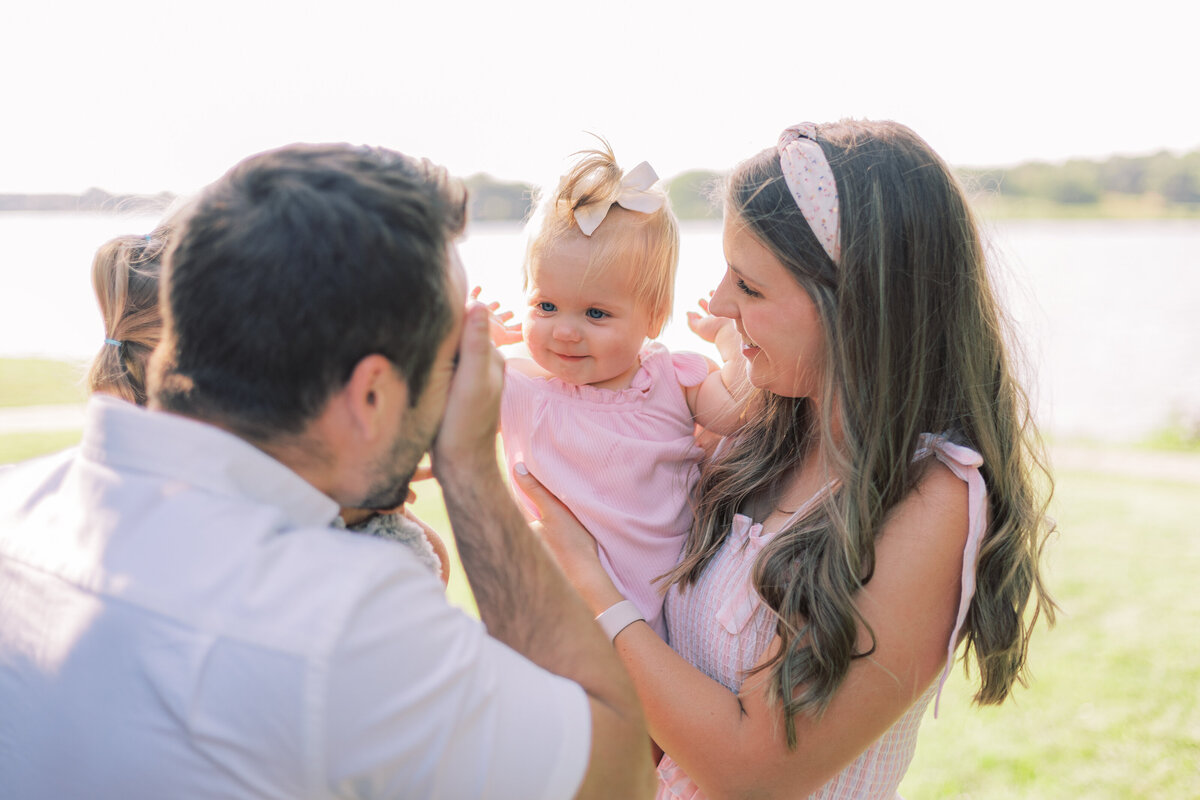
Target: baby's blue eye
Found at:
595, 313
547, 307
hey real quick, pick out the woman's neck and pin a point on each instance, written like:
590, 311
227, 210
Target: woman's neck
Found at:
796, 487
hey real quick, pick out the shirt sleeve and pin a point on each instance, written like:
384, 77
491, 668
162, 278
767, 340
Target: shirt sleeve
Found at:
690, 368
422, 703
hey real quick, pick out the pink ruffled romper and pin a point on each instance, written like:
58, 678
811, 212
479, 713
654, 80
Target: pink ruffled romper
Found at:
624, 461
721, 626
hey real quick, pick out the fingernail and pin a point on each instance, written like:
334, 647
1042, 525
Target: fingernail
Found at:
520, 468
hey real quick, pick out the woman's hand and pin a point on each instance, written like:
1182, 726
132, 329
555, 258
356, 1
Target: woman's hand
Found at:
570, 543
503, 330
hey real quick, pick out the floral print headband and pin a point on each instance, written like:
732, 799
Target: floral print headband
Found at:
811, 182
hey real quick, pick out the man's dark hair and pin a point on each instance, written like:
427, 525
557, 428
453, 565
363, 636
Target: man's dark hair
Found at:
294, 266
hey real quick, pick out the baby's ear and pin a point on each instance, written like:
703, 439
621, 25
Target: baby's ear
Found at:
656, 324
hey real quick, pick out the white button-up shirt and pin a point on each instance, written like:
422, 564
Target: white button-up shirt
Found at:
178, 619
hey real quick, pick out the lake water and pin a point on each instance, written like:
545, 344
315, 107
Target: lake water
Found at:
1108, 311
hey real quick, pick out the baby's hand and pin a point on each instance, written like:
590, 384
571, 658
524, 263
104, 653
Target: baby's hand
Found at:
718, 330
705, 325
502, 330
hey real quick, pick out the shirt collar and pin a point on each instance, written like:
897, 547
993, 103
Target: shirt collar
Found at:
123, 435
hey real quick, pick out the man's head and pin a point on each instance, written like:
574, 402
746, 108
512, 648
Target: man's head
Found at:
311, 304
290, 269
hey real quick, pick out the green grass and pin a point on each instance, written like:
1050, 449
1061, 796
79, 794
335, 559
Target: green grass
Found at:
1179, 437
40, 381
1113, 710
20, 446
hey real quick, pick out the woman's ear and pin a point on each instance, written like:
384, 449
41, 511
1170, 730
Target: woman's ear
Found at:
375, 397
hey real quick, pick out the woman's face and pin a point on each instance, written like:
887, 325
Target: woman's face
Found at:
782, 339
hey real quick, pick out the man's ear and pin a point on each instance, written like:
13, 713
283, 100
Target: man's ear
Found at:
374, 397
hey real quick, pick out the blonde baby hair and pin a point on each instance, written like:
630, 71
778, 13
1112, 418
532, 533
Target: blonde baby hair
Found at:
647, 244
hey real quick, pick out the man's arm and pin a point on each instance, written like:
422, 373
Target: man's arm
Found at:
523, 597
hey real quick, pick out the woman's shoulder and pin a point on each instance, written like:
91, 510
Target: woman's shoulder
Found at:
933, 518
940, 492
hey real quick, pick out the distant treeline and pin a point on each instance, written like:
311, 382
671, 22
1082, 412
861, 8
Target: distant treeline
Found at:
91, 200
1168, 178
495, 200
1161, 184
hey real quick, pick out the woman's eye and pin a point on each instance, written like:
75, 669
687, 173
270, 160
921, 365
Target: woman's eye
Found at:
546, 307
741, 284
595, 313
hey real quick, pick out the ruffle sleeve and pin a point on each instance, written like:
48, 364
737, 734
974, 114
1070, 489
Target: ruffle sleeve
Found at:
690, 368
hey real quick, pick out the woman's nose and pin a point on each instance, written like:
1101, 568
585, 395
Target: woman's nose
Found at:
721, 303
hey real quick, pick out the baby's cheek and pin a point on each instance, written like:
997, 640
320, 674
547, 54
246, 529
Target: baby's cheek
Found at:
530, 330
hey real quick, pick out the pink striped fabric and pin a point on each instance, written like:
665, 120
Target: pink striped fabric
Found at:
722, 629
623, 461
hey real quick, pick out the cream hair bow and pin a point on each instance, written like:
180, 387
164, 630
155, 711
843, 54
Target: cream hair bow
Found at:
635, 195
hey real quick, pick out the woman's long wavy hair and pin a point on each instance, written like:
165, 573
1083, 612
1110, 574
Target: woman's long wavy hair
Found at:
916, 344
125, 276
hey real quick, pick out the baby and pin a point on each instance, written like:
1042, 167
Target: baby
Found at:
603, 416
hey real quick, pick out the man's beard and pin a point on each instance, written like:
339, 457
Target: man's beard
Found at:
395, 471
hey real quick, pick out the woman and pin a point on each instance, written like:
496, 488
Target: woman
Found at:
879, 505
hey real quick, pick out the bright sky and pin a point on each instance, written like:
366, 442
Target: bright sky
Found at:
147, 95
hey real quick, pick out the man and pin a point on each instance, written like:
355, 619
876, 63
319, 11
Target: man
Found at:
179, 619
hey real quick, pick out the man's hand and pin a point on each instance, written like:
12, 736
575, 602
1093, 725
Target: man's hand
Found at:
466, 441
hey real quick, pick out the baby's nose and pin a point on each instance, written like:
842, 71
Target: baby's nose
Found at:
565, 332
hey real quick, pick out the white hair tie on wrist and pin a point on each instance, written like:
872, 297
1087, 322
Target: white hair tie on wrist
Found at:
618, 617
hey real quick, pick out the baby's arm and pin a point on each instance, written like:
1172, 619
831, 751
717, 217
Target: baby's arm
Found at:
714, 402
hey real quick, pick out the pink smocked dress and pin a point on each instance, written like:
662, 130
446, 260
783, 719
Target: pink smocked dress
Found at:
624, 461
722, 627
